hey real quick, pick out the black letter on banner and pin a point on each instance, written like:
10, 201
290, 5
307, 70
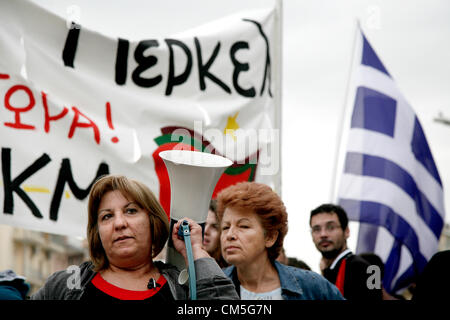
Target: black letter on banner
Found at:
172, 79
10, 186
267, 68
70, 48
238, 67
122, 61
203, 70
65, 175
145, 63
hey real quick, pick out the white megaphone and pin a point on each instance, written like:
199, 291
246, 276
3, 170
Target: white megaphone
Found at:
193, 176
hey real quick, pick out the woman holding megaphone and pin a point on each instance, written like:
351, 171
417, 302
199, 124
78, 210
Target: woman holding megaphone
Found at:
127, 228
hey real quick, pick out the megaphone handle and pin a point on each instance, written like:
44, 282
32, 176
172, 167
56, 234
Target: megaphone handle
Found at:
191, 268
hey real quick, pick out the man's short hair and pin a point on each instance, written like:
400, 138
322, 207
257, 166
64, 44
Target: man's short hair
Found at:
331, 208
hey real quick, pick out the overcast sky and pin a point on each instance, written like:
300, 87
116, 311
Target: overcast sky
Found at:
412, 40
410, 37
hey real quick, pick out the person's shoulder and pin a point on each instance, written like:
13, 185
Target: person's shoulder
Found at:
441, 257
164, 265
57, 283
356, 261
167, 269
314, 285
303, 275
228, 270
82, 268
202, 262
9, 292
312, 276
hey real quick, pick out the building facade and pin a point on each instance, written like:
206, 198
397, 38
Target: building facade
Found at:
36, 255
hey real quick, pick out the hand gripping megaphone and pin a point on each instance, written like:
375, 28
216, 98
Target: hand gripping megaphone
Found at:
193, 176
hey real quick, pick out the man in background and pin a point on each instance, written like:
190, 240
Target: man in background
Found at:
330, 231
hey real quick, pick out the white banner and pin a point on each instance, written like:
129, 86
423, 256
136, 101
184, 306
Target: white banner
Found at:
76, 104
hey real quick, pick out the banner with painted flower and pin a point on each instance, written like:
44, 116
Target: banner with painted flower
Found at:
77, 104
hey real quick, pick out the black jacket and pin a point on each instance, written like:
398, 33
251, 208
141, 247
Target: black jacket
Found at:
356, 276
212, 283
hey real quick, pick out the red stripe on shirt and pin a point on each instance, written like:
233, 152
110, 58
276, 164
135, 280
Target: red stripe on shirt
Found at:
124, 294
340, 280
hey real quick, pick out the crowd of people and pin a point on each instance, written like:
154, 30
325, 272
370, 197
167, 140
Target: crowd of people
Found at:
238, 255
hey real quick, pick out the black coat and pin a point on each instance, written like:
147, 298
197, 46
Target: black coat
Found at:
434, 282
356, 276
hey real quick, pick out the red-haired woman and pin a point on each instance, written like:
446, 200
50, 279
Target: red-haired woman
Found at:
253, 224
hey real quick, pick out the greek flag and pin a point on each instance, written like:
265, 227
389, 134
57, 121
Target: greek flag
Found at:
390, 183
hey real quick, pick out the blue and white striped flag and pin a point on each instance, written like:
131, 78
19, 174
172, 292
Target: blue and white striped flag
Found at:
390, 183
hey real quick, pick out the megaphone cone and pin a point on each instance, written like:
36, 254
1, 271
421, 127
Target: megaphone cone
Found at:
193, 176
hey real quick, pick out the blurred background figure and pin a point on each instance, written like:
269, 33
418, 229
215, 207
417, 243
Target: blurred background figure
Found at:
434, 282
211, 238
282, 258
294, 262
330, 231
374, 259
12, 286
291, 261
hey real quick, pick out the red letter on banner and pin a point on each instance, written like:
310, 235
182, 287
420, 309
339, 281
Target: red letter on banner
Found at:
76, 124
49, 118
17, 124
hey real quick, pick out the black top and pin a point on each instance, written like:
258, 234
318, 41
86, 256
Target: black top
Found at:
356, 276
100, 289
434, 282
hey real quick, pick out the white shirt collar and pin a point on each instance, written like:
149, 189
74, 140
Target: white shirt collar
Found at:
343, 253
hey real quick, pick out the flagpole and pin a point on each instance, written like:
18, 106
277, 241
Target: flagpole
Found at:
277, 81
343, 117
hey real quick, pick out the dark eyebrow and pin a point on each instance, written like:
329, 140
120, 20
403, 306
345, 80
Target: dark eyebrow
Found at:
329, 221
